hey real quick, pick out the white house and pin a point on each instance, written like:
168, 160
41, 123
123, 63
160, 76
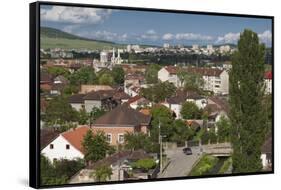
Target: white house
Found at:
215, 80
67, 145
175, 103
169, 74
138, 101
268, 82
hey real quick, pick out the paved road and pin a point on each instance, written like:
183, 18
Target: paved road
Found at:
180, 164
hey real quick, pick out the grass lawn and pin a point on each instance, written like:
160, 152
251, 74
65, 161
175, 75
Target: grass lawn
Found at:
205, 164
225, 166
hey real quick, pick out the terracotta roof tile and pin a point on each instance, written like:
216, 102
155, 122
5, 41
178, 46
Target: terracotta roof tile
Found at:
75, 137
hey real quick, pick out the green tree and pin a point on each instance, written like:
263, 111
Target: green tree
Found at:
56, 71
181, 132
95, 146
159, 92
83, 117
95, 114
85, 75
59, 172
191, 81
223, 126
246, 111
102, 173
106, 79
137, 141
151, 73
118, 75
190, 110
145, 164
59, 111
161, 115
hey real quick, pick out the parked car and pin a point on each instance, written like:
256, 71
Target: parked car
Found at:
187, 151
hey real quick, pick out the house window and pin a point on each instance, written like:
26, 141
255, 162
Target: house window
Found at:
67, 146
51, 146
121, 138
109, 137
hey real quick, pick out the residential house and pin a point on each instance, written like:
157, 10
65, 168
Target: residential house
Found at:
215, 80
174, 103
121, 120
67, 145
138, 102
76, 101
216, 108
105, 99
102, 99
268, 82
46, 81
119, 163
115, 124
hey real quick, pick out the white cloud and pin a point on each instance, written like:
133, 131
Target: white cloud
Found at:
265, 37
168, 36
192, 36
105, 35
186, 36
74, 15
150, 35
228, 38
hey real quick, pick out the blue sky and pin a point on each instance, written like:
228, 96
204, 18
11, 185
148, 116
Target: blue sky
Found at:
156, 28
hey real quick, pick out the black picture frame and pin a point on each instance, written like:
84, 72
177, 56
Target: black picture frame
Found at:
34, 96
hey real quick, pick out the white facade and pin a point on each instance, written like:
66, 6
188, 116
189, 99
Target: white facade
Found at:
217, 84
268, 86
224, 49
164, 75
103, 57
176, 108
57, 149
77, 106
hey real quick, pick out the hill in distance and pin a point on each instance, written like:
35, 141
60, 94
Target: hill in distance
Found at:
54, 38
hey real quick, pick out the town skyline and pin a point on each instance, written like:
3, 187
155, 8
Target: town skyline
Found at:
152, 28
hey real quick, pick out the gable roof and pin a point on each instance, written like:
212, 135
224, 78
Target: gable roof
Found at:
123, 116
76, 136
120, 156
182, 95
76, 98
221, 104
99, 95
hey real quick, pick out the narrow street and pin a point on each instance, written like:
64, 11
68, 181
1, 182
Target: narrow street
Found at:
180, 164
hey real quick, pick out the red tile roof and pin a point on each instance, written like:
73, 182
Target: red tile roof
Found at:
76, 136
268, 75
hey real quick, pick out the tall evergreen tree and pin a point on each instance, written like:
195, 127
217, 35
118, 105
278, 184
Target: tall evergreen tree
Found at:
246, 110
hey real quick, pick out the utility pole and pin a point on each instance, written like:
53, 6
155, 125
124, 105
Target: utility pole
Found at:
160, 143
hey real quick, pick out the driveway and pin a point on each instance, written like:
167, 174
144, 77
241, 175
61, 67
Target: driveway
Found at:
180, 164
